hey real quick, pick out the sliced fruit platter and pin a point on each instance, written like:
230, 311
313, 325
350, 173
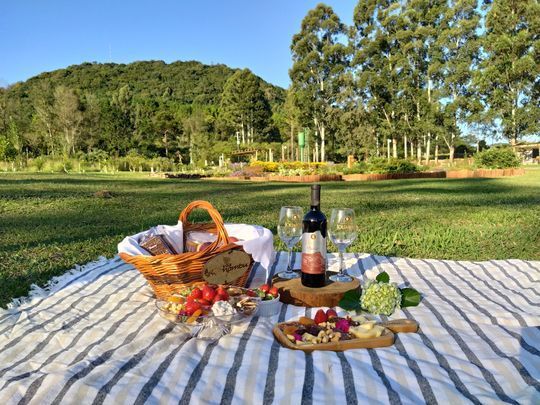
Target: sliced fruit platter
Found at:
328, 331
199, 302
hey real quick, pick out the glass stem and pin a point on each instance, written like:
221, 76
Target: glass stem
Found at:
289, 269
341, 261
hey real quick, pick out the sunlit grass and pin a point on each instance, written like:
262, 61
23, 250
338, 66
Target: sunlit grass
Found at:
48, 223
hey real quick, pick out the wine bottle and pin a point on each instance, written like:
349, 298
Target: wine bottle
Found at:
314, 243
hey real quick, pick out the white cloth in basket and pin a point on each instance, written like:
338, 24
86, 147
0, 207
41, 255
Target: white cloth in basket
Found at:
256, 240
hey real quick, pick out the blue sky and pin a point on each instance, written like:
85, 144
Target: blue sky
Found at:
43, 35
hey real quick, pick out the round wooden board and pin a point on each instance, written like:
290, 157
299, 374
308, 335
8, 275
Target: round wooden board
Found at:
293, 292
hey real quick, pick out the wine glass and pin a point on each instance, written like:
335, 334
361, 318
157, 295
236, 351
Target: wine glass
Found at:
290, 232
342, 231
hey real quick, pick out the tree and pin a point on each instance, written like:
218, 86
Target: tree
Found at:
92, 124
44, 119
319, 61
195, 133
120, 120
379, 62
69, 117
291, 118
244, 106
166, 125
510, 70
427, 21
460, 52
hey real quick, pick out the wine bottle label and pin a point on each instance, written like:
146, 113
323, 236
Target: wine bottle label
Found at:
313, 253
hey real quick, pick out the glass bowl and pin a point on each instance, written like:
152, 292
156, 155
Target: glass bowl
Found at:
210, 326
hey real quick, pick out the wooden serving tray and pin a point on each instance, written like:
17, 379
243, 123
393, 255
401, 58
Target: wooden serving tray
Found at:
386, 339
294, 293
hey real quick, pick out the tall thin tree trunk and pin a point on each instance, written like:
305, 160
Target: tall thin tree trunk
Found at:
418, 151
191, 149
394, 148
436, 149
323, 144
405, 146
451, 147
291, 154
428, 148
166, 144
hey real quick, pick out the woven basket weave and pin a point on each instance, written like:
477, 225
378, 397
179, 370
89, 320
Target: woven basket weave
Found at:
169, 274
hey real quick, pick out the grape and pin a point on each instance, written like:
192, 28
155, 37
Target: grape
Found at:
380, 298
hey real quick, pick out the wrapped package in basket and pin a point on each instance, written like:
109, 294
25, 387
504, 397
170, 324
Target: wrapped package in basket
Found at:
214, 252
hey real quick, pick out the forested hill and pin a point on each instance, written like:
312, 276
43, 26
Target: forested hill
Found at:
188, 82
149, 108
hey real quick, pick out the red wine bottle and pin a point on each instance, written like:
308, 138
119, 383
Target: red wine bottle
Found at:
314, 243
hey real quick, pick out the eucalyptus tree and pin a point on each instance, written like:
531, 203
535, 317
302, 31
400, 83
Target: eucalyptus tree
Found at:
167, 126
391, 66
244, 106
319, 60
459, 42
43, 124
510, 70
69, 117
291, 117
425, 21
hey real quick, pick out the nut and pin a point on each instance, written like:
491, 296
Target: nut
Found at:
325, 339
291, 337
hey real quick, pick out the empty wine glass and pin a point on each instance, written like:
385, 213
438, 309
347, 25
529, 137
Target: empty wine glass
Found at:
290, 232
342, 231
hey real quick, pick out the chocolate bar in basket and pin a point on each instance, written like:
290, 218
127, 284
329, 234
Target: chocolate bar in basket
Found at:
157, 245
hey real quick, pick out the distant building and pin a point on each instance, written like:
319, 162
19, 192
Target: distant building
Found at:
529, 152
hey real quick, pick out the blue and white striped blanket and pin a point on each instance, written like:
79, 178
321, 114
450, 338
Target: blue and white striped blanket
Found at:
95, 337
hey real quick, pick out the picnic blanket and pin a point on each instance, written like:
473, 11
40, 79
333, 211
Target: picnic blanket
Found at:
95, 337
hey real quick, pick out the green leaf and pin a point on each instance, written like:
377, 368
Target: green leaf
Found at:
410, 297
350, 300
383, 277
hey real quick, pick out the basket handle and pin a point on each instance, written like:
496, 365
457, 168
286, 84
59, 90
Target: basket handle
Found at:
222, 235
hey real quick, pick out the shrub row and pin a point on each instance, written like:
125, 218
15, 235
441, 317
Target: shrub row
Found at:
497, 158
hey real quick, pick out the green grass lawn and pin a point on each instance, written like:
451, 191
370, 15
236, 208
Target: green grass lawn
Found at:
50, 222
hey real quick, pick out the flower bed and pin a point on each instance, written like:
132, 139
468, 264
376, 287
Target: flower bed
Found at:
452, 174
393, 176
462, 174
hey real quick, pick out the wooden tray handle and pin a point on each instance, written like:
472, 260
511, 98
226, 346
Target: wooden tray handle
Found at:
401, 325
222, 236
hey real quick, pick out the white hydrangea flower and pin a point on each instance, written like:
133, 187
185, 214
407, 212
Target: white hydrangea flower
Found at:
380, 298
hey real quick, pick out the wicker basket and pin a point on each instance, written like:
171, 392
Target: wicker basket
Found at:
168, 274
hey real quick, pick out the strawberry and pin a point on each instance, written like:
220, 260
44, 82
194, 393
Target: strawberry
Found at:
204, 303
220, 297
251, 293
320, 316
191, 307
264, 288
221, 290
208, 293
273, 291
196, 293
331, 313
